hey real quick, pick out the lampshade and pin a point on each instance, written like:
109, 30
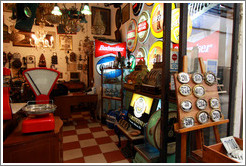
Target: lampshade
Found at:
86, 10
56, 11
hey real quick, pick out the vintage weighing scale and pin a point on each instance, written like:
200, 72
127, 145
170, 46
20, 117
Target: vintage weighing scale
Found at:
40, 112
7, 112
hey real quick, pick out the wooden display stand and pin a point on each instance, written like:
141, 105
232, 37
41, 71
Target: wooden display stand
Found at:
210, 91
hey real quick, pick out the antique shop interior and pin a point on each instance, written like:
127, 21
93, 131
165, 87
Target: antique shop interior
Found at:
122, 82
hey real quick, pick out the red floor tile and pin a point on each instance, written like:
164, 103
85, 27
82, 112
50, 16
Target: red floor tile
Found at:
103, 140
96, 129
85, 136
110, 132
70, 132
77, 160
71, 145
92, 150
113, 156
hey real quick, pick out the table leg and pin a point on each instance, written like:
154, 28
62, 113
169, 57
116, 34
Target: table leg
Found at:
183, 147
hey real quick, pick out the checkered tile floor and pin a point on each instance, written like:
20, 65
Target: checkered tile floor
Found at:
88, 141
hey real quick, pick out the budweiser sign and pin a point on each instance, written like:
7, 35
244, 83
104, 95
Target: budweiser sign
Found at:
143, 27
102, 48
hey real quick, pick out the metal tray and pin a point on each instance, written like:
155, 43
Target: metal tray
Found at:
39, 109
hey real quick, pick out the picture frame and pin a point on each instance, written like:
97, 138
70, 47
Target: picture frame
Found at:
22, 39
65, 42
126, 13
105, 18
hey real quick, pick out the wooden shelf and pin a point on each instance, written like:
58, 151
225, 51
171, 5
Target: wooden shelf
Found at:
112, 98
184, 130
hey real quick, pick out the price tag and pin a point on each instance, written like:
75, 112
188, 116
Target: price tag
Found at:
214, 103
199, 91
188, 122
201, 104
186, 105
202, 117
197, 78
183, 78
210, 78
216, 115
185, 90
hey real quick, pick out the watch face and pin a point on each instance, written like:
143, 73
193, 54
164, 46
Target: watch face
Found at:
185, 90
210, 78
186, 105
188, 122
214, 103
202, 117
199, 91
197, 78
215, 115
201, 104
183, 78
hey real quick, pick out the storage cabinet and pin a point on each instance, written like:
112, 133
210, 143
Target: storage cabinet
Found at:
111, 90
44, 147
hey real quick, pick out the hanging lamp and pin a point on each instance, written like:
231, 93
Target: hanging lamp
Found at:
56, 11
86, 10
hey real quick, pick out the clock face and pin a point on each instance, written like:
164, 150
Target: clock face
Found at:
210, 78
202, 117
214, 103
201, 104
188, 122
186, 105
199, 91
185, 90
183, 78
197, 78
216, 115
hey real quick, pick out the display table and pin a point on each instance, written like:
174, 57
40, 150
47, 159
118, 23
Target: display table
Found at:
132, 140
43, 147
65, 102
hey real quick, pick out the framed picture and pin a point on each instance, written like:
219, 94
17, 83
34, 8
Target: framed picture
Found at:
126, 13
7, 7
100, 21
22, 39
65, 42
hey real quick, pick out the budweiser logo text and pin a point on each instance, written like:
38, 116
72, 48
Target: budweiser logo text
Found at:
108, 48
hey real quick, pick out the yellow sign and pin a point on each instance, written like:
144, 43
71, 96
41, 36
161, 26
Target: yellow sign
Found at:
175, 26
141, 104
155, 54
156, 20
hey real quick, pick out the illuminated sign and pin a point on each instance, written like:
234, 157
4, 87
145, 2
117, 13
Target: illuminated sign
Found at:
136, 8
132, 35
141, 55
156, 20
102, 48
139, 112
208, 47
175, 26
143, 27
107, 62
155, 54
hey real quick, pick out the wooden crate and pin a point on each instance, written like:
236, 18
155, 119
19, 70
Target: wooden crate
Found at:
217, 153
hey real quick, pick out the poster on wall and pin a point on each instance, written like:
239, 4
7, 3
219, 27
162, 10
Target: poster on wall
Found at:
156, 20
141, 55
136, 8
132, 35
102, 48
175, 26
143, 26
155, 54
